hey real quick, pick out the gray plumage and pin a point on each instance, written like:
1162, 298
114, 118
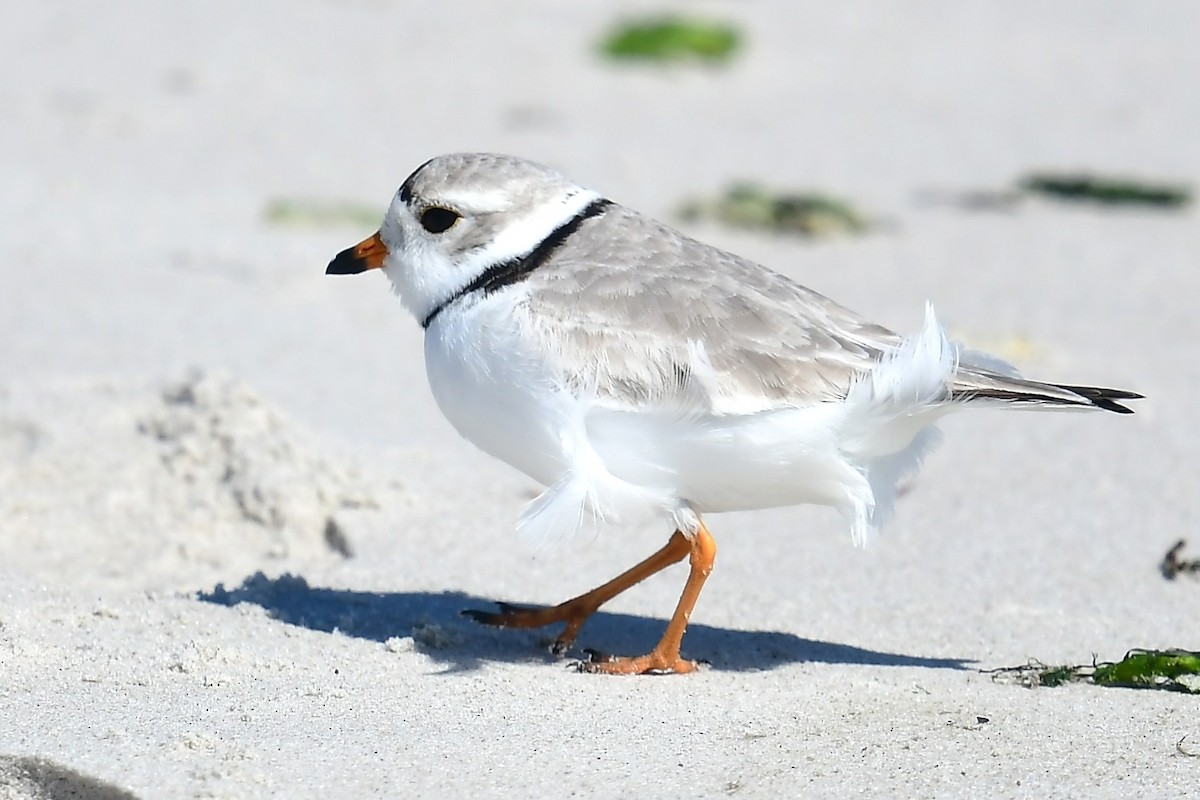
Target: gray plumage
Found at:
622, 299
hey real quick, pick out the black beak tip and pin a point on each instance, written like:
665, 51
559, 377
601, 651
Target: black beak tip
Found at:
346, 263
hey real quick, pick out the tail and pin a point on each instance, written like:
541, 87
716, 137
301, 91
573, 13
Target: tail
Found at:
1104, 398
977, 384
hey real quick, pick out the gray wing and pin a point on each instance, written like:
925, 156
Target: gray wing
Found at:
637, 312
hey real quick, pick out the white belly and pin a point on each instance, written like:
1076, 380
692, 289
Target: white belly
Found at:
727, 463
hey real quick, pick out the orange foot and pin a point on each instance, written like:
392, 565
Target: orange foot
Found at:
573, 612
653, 663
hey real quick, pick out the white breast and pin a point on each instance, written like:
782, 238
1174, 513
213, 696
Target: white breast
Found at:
494, 390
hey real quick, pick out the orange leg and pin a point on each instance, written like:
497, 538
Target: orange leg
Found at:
576, 611
665, 655
702, 550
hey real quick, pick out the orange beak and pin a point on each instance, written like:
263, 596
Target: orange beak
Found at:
367, 254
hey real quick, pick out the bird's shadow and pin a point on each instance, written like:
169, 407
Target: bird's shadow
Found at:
435, 624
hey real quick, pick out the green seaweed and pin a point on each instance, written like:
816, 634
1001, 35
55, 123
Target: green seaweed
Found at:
320, 214
1106, 190
748, 205
672, 39
1151, 669
1056, 676
1168, 670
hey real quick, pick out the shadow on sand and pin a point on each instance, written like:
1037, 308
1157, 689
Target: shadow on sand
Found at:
439, 631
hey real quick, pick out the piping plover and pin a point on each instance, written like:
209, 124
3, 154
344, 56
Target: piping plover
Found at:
630, 368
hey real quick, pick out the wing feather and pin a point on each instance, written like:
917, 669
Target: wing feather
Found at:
639, 314
629, 304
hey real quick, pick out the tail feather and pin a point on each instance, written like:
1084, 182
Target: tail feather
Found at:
982, 385
1105, 398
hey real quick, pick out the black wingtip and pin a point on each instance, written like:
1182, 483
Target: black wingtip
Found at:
1105, 398
1109, 405
347, 262
1093, 396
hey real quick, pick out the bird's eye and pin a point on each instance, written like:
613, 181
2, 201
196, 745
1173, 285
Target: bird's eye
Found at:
437, 219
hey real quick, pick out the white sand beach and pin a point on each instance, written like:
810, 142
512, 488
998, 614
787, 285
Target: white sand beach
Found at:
236, 533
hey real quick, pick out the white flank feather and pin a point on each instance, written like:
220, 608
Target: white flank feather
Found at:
889, 413
587, 496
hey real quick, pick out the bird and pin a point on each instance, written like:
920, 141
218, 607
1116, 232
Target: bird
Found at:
638, 373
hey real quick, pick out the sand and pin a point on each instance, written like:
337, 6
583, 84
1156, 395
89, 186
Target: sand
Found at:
235, 532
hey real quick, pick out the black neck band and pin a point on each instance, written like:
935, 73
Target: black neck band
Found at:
516, 269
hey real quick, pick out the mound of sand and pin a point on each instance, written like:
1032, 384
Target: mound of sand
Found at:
190, 482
